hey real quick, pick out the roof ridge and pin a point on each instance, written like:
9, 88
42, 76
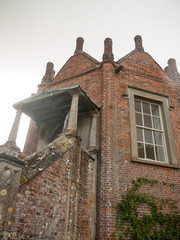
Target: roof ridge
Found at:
90, 57
127, 56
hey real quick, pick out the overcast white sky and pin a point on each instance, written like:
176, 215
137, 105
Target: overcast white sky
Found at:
34, 32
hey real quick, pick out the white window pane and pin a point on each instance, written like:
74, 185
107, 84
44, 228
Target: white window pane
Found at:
155, 110
139, 135
139, 119
156, 123
147, 121
137, 106
146, 107
148, 136
141, 150
150, 152
158, 138
160, 154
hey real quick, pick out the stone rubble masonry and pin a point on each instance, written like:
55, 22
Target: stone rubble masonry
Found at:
10, 173
72, 195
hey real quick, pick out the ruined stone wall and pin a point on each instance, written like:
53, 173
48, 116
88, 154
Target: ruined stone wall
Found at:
56, 198
41, 203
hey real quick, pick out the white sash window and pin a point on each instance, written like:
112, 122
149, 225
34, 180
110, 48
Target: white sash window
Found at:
150, 132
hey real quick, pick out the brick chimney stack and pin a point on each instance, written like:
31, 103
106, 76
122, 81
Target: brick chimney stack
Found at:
108, 55
49, 74
166, 70
172, 66
138, 43
172, 71
79, 45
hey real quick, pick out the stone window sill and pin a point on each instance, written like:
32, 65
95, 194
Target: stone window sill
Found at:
155, 163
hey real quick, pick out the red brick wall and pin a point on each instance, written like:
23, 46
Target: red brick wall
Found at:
116, 136
107, 177
76, 65
86, 198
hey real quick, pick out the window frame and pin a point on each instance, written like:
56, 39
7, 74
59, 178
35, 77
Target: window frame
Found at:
152, 129
163, 102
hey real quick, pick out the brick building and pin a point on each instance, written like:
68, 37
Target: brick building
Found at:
95, 127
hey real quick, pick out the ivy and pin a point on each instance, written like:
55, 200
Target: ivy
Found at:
157, 225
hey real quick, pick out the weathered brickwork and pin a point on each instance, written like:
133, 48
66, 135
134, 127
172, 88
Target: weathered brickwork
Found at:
41, 204
40, 211
74, 196
79, 64
86, 215
117, 135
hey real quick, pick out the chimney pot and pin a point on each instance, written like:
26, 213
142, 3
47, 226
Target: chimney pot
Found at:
79, 45
172, 66
49, 74
138, 43
172, 71
108, 55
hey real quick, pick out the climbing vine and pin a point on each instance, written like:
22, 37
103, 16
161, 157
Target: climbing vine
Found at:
160, 222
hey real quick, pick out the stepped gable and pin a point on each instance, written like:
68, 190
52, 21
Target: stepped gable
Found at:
78, 64
141, 62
